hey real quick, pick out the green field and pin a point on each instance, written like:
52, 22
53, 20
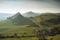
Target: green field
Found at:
20, 38
20, 30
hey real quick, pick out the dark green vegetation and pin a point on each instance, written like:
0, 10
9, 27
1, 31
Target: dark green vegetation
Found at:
28, 26
48, 19
18, 19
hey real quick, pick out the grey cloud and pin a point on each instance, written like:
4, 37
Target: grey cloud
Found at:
57, 0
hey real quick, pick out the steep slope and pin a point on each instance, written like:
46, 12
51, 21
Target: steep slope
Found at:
30, 14
18, 19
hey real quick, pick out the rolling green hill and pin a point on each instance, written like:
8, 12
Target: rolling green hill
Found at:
30, 14
47, 19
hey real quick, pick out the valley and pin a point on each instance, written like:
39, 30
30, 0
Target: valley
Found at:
23, 26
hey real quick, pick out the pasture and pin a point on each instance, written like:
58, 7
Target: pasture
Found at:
22, 30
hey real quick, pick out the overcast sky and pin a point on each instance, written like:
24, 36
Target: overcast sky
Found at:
13, 6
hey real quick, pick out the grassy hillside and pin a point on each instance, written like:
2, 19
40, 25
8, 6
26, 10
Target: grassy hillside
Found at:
40, 20
46, 19
30, 14
9, 27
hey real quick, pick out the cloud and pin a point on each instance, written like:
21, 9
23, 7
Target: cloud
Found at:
26, 5
57, 0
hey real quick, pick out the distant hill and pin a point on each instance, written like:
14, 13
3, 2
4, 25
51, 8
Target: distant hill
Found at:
44, 19
30, 14
18, 19
58, 14
47, 19
4, 16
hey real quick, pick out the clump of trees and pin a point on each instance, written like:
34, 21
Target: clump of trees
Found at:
51, 31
